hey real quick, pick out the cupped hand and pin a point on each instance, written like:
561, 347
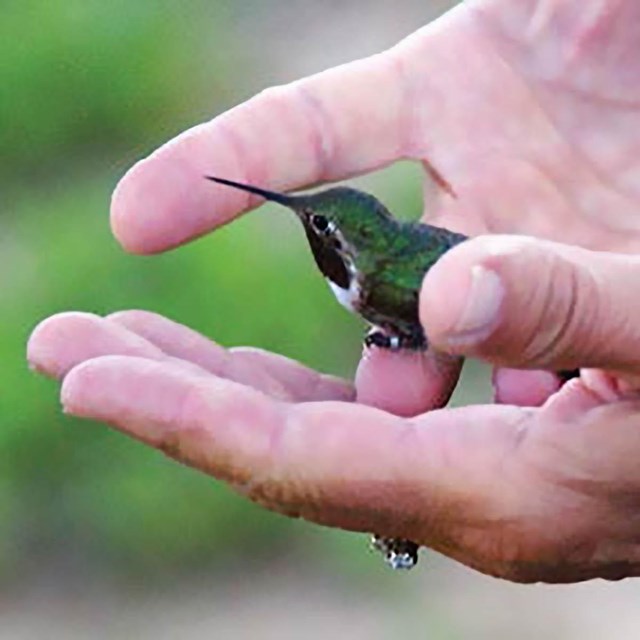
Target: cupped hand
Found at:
527, 116
526, 494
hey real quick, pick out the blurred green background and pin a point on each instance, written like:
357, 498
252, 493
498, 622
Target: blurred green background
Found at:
97, 533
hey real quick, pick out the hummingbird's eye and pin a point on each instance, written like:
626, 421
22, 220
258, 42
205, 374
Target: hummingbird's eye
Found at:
320, 223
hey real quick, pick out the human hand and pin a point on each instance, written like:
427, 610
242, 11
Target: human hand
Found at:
525, 494
546, 150
526, 111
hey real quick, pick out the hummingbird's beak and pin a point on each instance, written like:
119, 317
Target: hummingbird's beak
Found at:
273, 196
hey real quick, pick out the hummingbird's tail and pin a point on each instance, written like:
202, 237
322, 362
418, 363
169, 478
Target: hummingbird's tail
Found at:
274, 196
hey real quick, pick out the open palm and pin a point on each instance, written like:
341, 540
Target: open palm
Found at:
527, 115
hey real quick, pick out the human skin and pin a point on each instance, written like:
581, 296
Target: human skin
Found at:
528, 115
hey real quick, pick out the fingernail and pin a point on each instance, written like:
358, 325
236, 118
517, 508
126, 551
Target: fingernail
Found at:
480, 312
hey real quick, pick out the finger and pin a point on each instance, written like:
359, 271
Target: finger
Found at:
524, 388
243, 364
332, 125
406, 384
64, 340
334, 463
525, 303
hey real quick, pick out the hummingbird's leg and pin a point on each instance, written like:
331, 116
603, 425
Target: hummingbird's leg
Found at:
398, 552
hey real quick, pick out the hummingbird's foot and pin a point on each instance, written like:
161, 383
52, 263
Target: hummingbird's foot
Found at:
377, 338
394, 342
398, 552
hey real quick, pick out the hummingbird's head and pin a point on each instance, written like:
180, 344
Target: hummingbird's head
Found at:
340, 223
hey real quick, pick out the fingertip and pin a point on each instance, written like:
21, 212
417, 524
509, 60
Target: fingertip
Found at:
467, 296
405, 384
43, 353
64, 340
75, 385
448, 279
524, 388
164, 199
156, 205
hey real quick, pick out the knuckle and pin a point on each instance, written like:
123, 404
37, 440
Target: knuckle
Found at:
273, 93
569, 303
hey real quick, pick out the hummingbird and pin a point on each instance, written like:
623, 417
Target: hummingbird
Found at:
374, 264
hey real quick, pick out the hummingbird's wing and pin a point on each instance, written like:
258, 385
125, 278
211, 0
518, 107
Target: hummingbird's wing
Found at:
426, 243
397, 277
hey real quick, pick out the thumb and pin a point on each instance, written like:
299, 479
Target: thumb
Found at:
527, 303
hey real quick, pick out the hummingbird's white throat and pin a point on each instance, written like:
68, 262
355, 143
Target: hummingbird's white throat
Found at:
348, 298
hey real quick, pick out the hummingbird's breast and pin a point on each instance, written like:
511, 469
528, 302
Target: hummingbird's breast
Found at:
348, 298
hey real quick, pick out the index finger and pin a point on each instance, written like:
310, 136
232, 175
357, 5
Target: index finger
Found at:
335, 124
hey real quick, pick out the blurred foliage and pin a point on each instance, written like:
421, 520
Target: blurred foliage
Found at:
88, 87
85, 77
